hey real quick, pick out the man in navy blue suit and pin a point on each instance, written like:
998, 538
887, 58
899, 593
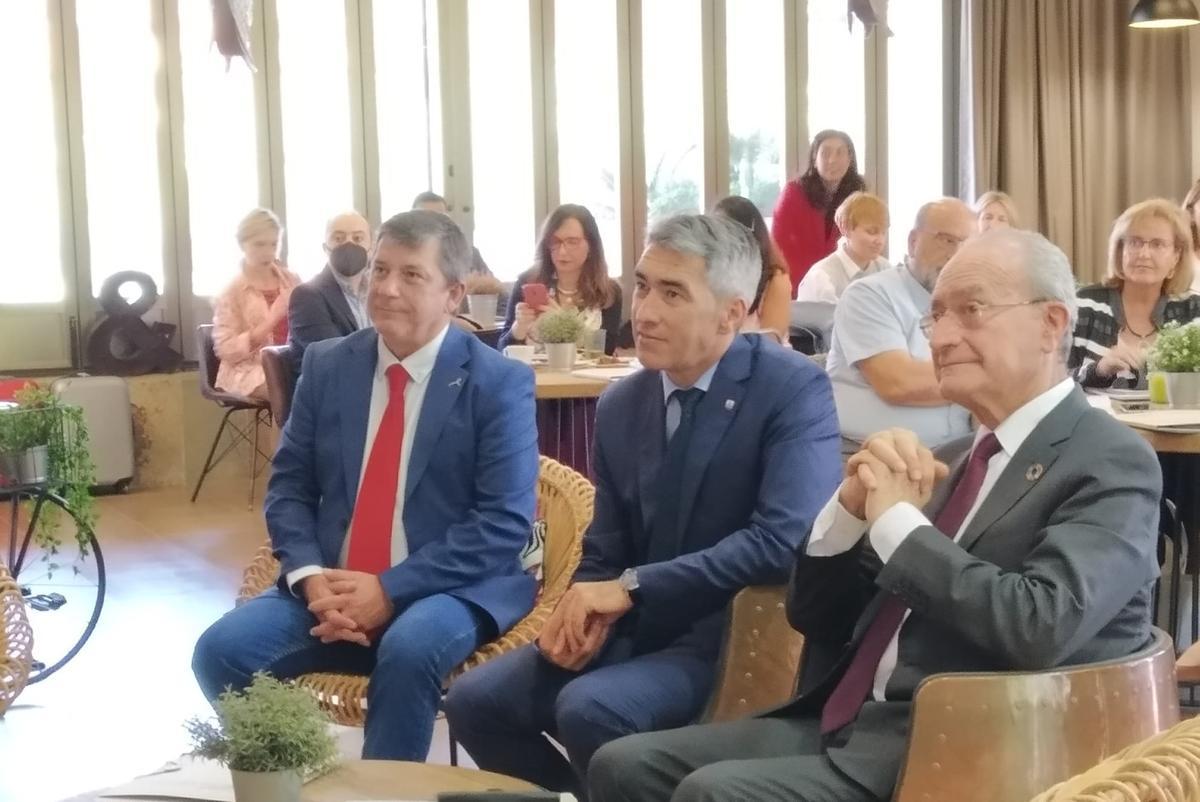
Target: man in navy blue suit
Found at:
710, 466
402, 494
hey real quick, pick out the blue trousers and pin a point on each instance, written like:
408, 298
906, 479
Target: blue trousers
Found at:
501, 710
407, 664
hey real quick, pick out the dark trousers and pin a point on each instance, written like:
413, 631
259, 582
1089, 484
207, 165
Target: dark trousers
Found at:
501, 711
764, 759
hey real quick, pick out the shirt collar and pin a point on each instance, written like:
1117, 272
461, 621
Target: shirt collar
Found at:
344, 283
915, 288
850, 267
702, 383
419, 364
1016, 428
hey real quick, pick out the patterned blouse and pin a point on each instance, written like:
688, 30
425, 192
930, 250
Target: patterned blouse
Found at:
1100, 320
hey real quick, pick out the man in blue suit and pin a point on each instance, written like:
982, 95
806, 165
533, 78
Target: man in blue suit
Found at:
710, 466
403, 492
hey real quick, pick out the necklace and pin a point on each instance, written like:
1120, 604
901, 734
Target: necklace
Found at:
569, 294
1141, 337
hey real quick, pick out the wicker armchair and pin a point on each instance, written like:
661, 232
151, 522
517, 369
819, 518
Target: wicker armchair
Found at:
564, 502
16, 641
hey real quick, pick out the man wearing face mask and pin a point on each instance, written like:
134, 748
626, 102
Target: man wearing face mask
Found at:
333, 304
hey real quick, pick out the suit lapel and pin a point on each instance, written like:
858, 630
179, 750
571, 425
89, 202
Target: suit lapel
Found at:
357, 376
337, 299
447, 380
652, 434
714, 414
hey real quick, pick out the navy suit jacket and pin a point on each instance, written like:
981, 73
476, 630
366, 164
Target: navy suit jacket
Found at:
764, 457
317, 310
472, 474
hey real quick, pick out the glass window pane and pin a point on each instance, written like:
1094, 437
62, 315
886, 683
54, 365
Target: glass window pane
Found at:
220, 149
119, 67
502, 134
29, 210
315, 99
585, 65
915, 168
836, 75
755, 88
672, 106
408, 102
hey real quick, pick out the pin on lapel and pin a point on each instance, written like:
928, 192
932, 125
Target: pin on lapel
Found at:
1034, 472
729, 405
457, 382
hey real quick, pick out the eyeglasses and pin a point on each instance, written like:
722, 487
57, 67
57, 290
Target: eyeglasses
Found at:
971, 315
1159, 246
948, 240
570, 243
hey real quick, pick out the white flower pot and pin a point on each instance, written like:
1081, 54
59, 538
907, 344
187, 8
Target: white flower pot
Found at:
1183, 390
28, 467
266, 786
482, 309
560, 356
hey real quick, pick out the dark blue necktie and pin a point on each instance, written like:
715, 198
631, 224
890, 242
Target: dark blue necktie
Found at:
664, 542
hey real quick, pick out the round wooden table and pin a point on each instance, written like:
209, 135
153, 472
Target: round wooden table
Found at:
394, 779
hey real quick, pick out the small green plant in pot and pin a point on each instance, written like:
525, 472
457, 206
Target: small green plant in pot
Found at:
483, 298
1174, 362
271, 736
560, 329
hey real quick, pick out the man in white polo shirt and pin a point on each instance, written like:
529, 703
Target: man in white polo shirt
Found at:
879, 361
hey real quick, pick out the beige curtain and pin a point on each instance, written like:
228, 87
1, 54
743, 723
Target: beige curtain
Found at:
1075, 115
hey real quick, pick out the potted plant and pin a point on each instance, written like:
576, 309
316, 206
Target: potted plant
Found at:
44, 440
271, 736
560, 329
1174, 361
483, 296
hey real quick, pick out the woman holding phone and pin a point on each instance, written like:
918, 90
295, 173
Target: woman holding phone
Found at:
568, 270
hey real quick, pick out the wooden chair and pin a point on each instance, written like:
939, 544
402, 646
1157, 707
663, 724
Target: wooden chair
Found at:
565, 503
1004, 737
16, 641
760, 658
1164, 768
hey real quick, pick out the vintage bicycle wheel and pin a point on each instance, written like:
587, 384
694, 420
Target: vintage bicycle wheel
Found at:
63, 586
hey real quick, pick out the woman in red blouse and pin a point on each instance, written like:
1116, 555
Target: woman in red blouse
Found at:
802, 224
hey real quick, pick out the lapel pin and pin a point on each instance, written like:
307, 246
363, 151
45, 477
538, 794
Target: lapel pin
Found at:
457, 382
1034, 472
729, 405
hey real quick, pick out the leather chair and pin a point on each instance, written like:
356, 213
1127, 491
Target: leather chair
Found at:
1004, 737
279, 368
231, 402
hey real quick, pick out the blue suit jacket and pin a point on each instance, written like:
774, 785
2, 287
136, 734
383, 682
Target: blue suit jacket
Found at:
764, 458
472, 475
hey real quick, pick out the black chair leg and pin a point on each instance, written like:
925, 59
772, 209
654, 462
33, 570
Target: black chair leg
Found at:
254, 459
208, 463
453, 750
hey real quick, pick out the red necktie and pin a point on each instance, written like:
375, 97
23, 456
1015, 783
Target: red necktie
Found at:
375, 509
851, 692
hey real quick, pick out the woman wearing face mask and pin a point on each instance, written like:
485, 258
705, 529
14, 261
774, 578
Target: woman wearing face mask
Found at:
334, 303
1149, 272
252, 311
862, 220
569, 263
803, 223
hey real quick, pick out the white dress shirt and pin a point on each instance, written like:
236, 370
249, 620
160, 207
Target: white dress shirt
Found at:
836, 531
419, 365
828, 277
356, 297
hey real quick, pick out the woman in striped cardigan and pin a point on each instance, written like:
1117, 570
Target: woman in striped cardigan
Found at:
1149, 276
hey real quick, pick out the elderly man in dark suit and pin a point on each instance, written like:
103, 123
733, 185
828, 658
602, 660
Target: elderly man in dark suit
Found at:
334, 302
710, 465
1036, 551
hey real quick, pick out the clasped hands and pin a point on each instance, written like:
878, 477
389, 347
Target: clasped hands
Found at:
581, 623
891, 468
349, 605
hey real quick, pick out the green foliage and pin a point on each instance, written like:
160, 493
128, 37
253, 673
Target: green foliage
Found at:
42, 419
564, 325
1176, 349
270, 726
483, 284
748, 157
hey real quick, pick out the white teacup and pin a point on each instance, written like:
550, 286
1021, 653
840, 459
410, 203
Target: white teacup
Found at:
521, 353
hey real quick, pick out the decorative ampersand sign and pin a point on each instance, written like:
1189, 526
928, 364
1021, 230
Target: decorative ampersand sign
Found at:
122, 344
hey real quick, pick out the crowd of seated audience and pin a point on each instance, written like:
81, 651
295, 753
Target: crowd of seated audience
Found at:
894, 489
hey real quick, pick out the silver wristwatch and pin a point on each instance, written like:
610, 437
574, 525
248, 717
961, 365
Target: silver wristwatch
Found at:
628, 580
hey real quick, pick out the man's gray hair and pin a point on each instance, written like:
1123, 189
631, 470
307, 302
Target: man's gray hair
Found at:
1048, 271
730, 252
413, 229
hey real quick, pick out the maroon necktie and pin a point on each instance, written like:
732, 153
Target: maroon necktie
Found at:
851, 692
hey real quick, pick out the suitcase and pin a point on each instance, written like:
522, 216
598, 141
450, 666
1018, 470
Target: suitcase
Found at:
109, 420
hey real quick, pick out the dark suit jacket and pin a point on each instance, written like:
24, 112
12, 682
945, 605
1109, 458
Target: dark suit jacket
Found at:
472, 473
1056, 568
317, 311
764, 458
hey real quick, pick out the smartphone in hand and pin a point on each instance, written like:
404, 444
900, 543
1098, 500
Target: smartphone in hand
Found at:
536, 295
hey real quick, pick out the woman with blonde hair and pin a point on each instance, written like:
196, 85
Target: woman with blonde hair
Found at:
1150, 267
252, 311
1191, 206
995, 209
863, 222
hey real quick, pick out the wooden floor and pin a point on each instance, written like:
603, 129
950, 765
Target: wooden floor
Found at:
117, 709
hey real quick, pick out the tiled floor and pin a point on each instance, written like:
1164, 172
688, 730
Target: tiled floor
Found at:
117, 709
